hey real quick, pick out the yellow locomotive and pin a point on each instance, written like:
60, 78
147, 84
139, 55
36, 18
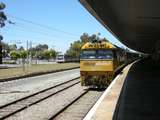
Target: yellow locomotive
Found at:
98, 62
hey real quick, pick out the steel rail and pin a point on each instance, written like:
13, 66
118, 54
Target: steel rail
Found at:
68, 105
24, 105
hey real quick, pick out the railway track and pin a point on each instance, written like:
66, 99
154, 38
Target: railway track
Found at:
66, 106
16, 106
79, 107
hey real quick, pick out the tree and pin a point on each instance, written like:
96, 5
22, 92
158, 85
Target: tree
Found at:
39, 54
13, 47
75, 47
23, 54
41, 51
53, 53
93, 38
38, 51
48, 54
41, 47
3, 18
14, 55
21, 48
74, 50
5, 49
85, 37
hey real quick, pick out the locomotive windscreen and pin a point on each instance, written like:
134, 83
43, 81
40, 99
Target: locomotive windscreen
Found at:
97, 54
88, 54
104, 54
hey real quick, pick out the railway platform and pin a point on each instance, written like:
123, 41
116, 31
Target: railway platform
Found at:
133, 95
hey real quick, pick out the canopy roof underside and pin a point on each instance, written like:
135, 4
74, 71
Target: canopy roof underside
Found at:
136, 23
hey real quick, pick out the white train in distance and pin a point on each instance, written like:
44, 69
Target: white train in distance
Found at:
61, 58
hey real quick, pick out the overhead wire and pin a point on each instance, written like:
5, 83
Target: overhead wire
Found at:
22, 27
28, 37
44, 26
41, 33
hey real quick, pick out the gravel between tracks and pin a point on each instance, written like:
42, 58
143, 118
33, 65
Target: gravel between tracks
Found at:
80, 108
16, 89
46, 108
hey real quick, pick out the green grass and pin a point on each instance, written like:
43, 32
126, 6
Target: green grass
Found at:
16, 72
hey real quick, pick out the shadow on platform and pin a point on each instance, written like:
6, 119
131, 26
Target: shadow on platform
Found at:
140, 96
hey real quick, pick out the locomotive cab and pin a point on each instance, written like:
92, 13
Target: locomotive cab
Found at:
97, 64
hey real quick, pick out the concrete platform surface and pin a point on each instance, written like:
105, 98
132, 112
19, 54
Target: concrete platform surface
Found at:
132, 96
140, 96
105, 106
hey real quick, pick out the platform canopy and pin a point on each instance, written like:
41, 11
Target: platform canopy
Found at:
136, 23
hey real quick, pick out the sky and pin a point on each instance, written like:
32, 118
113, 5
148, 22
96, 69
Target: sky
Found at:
54, 22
